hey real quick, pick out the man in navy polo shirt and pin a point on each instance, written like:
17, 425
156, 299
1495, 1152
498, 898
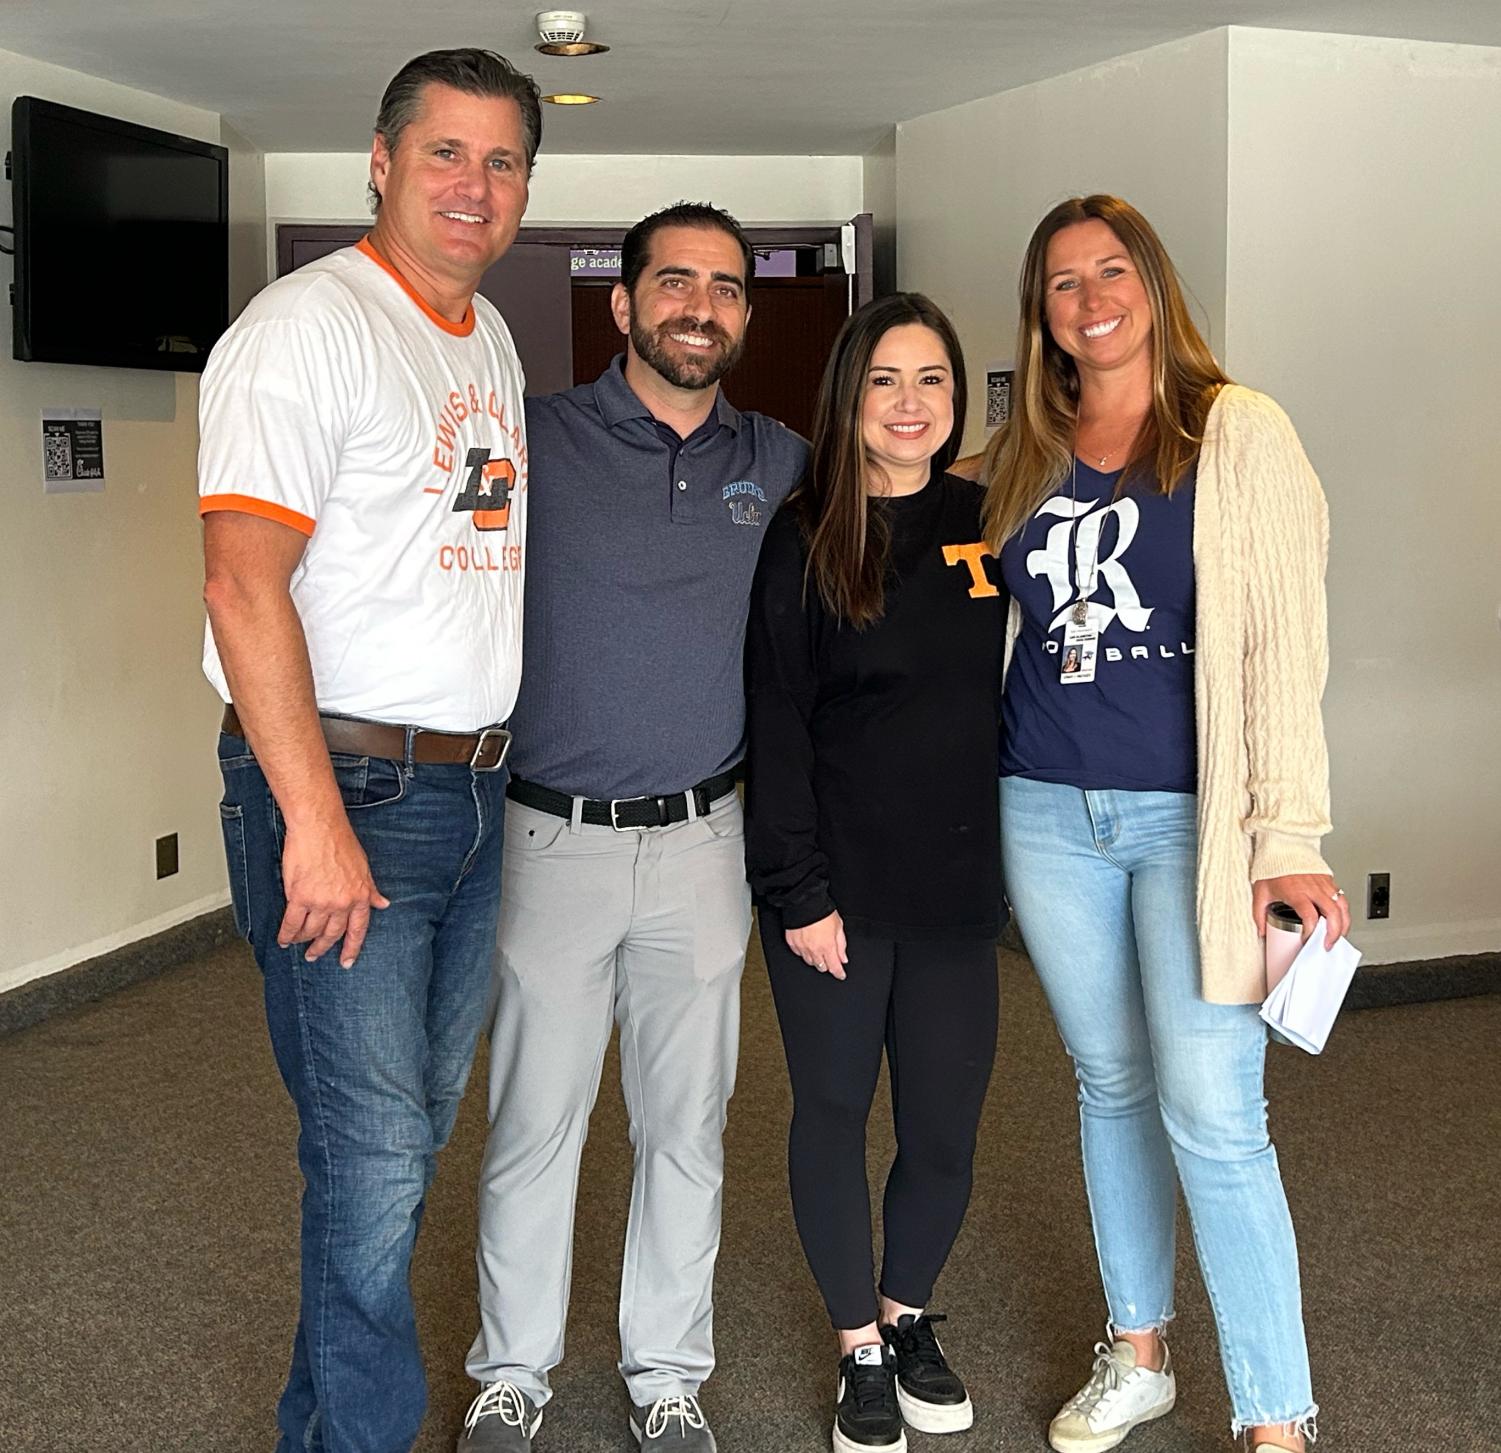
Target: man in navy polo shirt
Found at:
624, 883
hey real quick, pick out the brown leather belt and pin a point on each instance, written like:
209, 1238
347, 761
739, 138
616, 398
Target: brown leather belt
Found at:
484, 751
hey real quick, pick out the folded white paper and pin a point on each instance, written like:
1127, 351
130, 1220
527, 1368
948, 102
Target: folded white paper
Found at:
1306, 1000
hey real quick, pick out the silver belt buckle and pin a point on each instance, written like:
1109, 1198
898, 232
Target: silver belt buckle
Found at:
615, 805
498, 733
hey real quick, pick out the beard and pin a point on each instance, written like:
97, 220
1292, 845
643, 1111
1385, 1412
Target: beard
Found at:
680, 367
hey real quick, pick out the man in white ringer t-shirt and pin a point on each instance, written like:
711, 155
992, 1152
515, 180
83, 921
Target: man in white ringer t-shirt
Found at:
363, 477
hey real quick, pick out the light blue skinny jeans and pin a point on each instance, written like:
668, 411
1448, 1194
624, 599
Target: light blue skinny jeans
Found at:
1170, 1086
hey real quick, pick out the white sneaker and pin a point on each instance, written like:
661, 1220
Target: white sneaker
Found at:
1118, 1397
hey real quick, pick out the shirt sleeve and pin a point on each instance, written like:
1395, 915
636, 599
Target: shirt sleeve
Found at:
273, 412
786, 867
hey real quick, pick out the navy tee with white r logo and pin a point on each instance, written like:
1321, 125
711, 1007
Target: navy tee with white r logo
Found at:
1133, 726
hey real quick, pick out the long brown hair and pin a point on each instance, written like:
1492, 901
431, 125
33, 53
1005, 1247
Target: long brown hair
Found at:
848, 543
1034, 452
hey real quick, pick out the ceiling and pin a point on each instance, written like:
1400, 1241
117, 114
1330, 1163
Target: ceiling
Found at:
769, 77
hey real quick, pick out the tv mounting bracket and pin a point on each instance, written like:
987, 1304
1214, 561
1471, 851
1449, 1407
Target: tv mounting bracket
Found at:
8, 251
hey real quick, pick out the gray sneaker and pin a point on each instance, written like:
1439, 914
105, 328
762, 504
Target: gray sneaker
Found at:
502, 1419
674, 1424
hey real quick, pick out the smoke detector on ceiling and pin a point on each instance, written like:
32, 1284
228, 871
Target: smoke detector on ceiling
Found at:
562, 33
560, 27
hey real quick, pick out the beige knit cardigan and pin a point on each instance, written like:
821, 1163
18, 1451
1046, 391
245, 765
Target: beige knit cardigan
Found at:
1260, 544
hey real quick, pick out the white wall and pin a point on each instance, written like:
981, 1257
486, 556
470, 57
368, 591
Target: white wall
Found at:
878, 180
973, 181
1330, 201
1365, 237
602, 190
106, 720
106, 724
249, 261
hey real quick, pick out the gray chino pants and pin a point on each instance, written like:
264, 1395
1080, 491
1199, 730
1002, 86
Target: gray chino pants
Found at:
647, 930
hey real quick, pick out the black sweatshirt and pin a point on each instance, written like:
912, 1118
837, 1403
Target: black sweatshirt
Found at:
872, 754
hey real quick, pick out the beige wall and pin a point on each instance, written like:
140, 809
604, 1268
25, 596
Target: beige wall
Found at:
1329, 201
878, 178
973, 181
607, 190
107, 721
1273, 163
1365, 236
248, 254
106, 724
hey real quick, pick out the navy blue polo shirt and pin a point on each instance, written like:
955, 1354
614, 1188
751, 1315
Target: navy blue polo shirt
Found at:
1133, 726
641, 547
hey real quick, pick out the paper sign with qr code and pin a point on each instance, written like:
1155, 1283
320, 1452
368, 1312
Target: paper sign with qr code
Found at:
998, 394
72, 451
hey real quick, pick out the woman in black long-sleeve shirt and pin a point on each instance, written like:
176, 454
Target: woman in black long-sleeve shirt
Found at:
873, 667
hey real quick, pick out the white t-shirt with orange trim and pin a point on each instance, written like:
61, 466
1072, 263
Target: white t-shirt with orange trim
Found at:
341, 405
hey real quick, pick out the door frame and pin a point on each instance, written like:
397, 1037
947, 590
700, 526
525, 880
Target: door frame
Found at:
760, 238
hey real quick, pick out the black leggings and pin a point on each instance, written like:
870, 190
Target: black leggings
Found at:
933, 1008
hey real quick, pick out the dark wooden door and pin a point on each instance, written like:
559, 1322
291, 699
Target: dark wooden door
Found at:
794, 321
530, 285
298, 244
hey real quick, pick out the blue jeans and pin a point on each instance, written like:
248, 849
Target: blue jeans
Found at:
1103, 886
375, 1059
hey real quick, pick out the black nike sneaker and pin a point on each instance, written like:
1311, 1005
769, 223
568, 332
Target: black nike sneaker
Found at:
930, 1395
867, 1419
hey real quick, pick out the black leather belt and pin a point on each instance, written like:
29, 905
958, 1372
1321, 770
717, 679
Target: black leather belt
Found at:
626, 814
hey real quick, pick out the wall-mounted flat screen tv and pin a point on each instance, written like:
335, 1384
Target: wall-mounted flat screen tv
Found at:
122, 241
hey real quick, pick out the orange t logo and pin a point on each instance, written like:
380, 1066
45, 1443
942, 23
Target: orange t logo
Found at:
972, 555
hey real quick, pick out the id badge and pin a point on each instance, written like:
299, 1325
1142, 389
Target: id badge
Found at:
1081, 645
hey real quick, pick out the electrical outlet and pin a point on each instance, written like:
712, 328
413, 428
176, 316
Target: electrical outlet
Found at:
166, 855
1378, 895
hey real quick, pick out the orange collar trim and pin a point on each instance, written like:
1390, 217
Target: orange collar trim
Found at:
458, 330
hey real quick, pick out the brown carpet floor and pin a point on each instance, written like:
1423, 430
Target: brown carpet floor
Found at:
148, 1205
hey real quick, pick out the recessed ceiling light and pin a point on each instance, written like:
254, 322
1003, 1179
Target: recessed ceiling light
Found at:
572, 47
571, 98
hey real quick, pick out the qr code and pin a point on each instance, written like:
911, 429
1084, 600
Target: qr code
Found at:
998, 399
59, 461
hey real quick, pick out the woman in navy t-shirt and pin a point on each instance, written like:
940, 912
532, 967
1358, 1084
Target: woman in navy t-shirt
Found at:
1112, 825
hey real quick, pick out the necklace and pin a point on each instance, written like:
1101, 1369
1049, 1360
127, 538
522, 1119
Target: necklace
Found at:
1116, 448
1079, 615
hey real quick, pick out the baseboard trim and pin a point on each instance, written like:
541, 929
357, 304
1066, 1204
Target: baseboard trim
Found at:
40, 999
1376, 986
1382, 986
1420, 981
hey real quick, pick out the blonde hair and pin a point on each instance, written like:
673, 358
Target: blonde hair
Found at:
1034, 452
